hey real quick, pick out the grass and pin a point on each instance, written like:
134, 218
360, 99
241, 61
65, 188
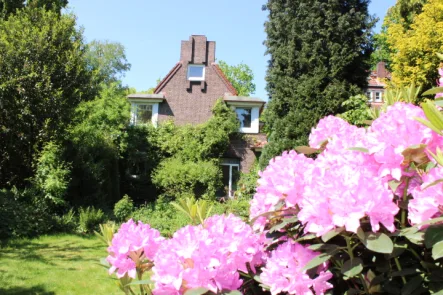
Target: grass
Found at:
59, 264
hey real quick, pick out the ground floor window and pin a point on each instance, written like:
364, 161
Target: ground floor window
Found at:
231, 174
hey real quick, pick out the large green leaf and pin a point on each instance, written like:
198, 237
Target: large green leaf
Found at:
433, 91
411, 285
141, 282
437, 250
197, 291
433, 235
307, 150
352, 267
332, 233
359, 149
317, 261
433, 114
234, 292
378, 242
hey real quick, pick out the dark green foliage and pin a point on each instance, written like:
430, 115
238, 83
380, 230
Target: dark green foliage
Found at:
90, 218
23, 213
66, 223
43, 79
319, 56
8, 7
123, 208
93, 142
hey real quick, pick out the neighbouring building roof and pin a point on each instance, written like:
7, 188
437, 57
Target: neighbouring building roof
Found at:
378, 77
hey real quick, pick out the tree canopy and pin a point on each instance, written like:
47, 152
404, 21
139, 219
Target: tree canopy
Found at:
43, 78
414, 50
240, 76
319, 56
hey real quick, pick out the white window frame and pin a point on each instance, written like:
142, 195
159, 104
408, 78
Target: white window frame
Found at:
255, 116
154, 118
369, 95
202, 78
230, 191
380, 98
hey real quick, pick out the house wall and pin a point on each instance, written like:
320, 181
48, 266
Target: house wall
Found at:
241, 148
186, 102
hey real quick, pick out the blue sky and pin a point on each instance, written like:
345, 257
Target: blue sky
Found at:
151, 32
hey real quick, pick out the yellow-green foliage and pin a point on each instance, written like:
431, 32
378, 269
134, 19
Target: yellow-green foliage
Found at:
414, 58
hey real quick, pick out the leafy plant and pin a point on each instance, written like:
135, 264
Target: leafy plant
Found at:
107, 231
197, 211
123, 208
90, 219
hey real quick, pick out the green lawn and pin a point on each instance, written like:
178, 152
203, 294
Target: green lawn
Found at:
62, 264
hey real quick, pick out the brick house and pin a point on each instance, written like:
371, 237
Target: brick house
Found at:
376, 84
187, 95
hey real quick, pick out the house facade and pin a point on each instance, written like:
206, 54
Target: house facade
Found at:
187, 95
376, 84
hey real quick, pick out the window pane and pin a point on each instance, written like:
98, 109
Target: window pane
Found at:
369, 95
195, 72
225, 179
377, 96
244, 115
144, 113
235, 178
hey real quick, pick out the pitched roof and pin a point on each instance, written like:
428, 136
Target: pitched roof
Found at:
224, 79
167, 77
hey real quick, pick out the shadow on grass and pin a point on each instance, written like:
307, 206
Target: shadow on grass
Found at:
34, 290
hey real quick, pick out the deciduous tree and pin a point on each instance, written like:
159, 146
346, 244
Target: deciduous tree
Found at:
240, 76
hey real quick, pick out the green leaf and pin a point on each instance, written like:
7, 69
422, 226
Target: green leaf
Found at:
411, 285
433, 91
439, 103
428, 124
142, 282
197, 291
378, 242
439, 55
283, 223
305, 238
316, 261
332, 233
433, 114
358, 149
233, 292
433, 235
307, 150
352, 267
104, 262
433, 183
393, 184
437, 250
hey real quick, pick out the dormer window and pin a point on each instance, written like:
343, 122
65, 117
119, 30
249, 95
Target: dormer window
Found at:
144, 108
244, 115
196, 72
143, 113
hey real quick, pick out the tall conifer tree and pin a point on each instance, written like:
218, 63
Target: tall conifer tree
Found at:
319, 56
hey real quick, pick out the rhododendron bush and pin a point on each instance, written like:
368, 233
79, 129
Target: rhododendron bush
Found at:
357, 212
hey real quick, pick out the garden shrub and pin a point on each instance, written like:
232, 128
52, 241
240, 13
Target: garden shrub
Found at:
247, 183
89, 219
66, 223
363, 216
123, 208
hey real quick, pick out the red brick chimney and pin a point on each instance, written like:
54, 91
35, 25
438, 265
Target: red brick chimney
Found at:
382, 72
198, 50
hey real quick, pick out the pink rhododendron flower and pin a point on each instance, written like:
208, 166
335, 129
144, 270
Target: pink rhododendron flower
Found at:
337, 132
284, 271
134, 243
440, 82
282, 181
427, 199
392, 133
208, 255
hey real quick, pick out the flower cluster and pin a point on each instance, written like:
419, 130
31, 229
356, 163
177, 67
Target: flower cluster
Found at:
440, 82
349, 179
208, 256
133, 245
284, 271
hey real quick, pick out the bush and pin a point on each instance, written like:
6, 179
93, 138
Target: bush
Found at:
66, 223
90, 219
123, 208
23, 213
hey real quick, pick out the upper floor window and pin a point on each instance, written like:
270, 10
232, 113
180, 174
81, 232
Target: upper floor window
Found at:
244, 115
143, 114
196, 72
378, 96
